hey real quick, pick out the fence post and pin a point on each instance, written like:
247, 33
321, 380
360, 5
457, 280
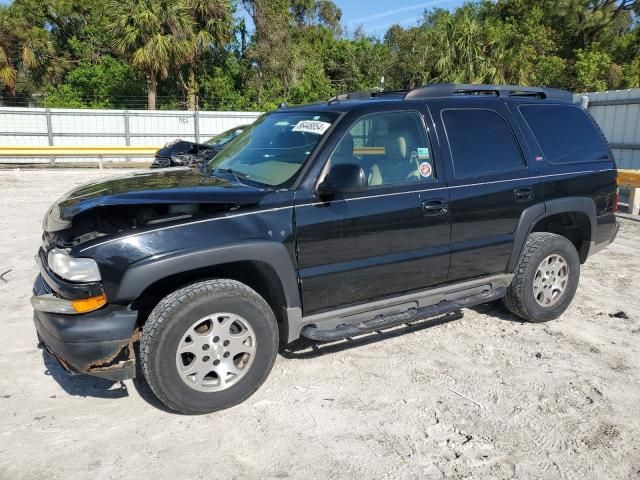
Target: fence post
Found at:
127, 132
50, 132
584, 102
634, 200
196, 125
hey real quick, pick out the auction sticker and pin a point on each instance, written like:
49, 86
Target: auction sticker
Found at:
423, 153
311, 126
425, 169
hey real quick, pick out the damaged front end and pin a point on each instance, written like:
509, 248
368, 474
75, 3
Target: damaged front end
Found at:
98, 343
79, 318
117, 366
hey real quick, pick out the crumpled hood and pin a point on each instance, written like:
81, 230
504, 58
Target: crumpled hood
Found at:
168, 186
182, 147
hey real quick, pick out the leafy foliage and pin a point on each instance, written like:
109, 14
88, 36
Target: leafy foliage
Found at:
193, 54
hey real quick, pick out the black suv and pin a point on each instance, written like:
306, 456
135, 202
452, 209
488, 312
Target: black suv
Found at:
325, 221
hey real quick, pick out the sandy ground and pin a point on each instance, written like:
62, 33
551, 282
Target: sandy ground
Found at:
485, 396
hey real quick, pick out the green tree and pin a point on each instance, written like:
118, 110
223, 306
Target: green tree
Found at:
154, 35
24, 48
592, 68
7, 69
212, 27
107, 83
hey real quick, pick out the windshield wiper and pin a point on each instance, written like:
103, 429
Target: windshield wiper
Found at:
235, 173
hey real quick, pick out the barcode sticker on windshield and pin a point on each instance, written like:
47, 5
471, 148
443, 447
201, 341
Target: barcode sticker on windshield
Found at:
311, 126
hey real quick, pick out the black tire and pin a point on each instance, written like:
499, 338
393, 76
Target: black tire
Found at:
520, 299
169, 321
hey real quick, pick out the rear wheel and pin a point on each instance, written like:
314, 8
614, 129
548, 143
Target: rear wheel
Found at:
208, 346
545, 279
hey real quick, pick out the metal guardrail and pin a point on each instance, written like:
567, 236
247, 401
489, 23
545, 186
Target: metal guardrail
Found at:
98, 152
629, 178
77, 151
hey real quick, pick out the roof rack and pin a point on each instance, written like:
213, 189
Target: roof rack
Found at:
448, 89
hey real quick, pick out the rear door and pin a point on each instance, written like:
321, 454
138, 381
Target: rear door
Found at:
391, 239
491, 183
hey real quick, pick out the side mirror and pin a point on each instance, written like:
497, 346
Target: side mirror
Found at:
344, 178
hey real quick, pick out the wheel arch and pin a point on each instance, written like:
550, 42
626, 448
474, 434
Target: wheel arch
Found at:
571, 217
264, 266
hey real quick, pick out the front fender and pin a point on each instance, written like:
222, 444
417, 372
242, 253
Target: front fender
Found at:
143, 274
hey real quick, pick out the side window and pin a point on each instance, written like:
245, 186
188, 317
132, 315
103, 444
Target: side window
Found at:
481, 142
565, 133
391, 148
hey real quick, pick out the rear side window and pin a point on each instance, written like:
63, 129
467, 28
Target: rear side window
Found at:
565, 133
481, 142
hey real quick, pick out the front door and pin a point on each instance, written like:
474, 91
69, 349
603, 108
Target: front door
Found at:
391, 239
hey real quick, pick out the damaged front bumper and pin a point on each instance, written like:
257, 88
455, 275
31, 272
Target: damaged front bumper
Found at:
98, 343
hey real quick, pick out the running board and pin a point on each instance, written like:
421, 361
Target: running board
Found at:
381, 322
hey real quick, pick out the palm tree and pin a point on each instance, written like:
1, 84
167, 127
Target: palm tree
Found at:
23, 47
212, 22
155, 35
462, 51
7, 72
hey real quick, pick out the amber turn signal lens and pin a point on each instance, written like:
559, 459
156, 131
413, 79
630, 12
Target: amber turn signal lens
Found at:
89, 304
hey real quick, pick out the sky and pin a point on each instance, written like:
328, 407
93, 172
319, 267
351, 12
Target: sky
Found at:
376, 16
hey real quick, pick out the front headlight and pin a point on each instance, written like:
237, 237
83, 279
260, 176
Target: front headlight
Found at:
71, 268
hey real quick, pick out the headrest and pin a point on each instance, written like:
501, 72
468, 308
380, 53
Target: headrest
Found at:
345, 147
396, 147
380, 128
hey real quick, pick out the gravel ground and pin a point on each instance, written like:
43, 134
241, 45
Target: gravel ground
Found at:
484, 396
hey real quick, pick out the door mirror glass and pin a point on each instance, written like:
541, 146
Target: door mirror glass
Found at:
344, 178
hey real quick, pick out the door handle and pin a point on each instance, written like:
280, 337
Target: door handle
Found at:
524, 194
435, 207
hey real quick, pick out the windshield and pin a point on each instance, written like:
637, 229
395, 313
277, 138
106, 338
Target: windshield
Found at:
274, 149
225, 137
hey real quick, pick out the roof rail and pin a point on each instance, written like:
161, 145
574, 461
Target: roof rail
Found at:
448, 89
350, 96
364, 95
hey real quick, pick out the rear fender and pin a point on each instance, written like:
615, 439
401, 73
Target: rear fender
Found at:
532, 215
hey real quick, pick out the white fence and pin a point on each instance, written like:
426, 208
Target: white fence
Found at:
112, 128
618, 114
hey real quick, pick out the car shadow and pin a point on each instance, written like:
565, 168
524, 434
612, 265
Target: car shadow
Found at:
88, 386
497, 310
143, 388
82, 385
305, 348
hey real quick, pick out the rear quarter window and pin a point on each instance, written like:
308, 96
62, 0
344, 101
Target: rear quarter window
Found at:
481, 141
565, 133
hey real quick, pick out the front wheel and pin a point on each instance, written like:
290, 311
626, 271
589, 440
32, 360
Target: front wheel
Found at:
208, 346
545, 279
